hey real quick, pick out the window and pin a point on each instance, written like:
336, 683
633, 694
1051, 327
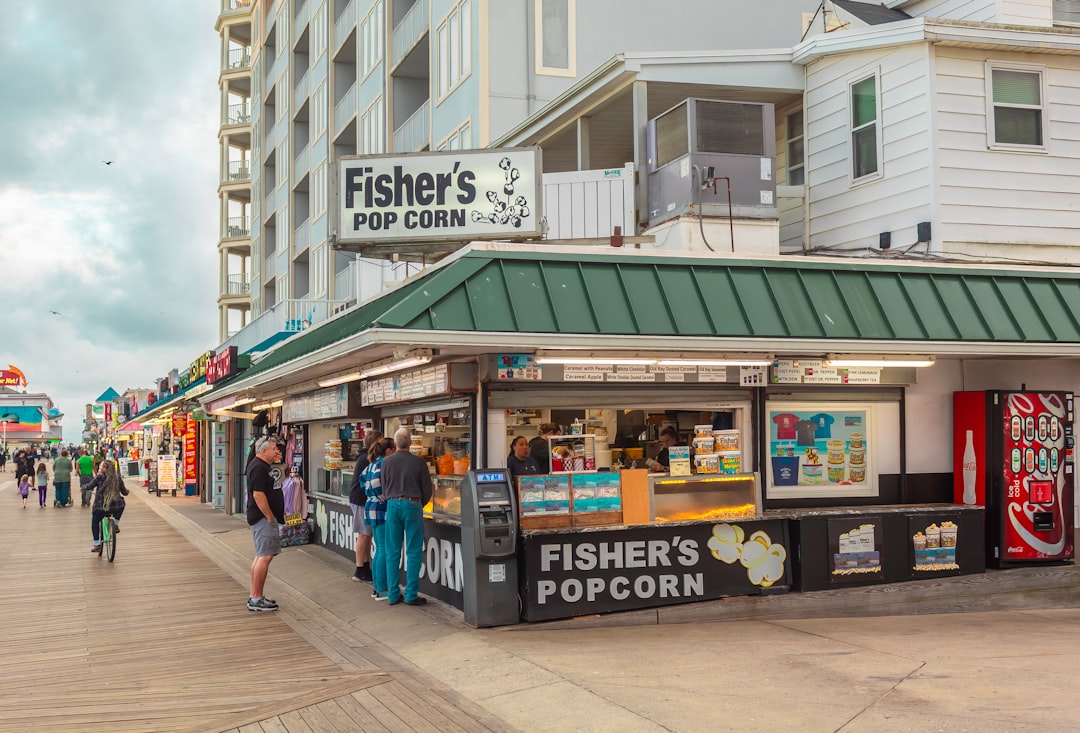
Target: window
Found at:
864, 128
1016, 117
454, 39
796, 169
372, 129
318, 111
318, 33
555, 37
1067, 12
459, 139
371, 39
318, 190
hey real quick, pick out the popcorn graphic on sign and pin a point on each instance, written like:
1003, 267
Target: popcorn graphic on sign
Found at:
509, 211
762, 558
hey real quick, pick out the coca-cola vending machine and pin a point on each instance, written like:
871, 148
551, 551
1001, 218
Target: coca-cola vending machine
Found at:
1013, 454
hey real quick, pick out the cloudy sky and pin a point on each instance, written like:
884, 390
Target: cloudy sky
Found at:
124, 253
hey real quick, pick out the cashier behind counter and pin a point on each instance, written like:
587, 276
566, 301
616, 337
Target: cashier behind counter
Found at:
669, 438
520, 462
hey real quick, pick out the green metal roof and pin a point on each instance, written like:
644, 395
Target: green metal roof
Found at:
626, 294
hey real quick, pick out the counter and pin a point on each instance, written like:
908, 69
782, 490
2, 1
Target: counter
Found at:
571, 572
864, 545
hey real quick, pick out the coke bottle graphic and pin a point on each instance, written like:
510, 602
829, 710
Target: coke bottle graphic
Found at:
970, 468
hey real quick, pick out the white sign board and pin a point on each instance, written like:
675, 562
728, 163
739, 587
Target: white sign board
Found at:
459, 195
166, 473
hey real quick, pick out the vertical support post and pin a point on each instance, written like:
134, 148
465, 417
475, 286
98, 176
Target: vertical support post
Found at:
641, 120
584, 144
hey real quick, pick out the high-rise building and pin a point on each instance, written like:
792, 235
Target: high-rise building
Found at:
304, 82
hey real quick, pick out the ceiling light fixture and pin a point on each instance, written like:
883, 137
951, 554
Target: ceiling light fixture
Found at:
594, 360
763, 361
878, 360
407, 360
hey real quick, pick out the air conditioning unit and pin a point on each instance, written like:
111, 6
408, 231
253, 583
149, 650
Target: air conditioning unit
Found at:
699, 140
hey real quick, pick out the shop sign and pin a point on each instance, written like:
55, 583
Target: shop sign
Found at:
179, 423
224, 364
321, 404
814, 371
934, 543
442, 572
855, 555
190, 470
519, 367
335, 524
166, 472
419, 384
644, 567
12, 377
197, 368
454, 196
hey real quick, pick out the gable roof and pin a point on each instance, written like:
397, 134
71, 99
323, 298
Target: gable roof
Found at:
871, 14
496, 295
108, 395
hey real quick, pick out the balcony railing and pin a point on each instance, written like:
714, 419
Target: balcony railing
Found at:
287, 316
413, 133
238, 284
238, 226
300, 93
345, 110
411, 29
301, 20
239, 170
238, 114
233, 6
344, 25
300, 162
301, 237
239, 58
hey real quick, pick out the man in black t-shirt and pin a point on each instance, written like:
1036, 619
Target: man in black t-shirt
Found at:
265, 514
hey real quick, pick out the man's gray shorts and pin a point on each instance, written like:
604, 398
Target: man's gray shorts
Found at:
267, 538
358, 520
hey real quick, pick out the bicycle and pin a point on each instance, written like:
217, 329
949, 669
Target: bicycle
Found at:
108, 537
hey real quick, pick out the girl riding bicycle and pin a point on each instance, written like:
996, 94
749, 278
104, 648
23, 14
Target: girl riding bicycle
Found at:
108, 499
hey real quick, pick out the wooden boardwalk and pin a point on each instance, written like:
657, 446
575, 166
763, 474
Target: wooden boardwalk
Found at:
161, 640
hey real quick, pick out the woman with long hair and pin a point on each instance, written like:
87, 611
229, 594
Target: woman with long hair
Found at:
108, 499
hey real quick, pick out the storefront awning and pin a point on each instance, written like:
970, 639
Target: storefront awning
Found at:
519, 297
130, 427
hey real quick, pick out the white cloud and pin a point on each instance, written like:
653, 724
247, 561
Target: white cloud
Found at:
126, 253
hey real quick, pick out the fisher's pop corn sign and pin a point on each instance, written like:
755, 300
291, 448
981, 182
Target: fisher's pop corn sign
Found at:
460, 195
644, 567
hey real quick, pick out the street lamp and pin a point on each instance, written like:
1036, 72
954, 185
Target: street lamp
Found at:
4, 421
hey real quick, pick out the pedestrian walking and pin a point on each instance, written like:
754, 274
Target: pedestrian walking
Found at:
3, 460
62, 479
265, 515
42, 483
24, 488
86, 468
406, 484
375, 513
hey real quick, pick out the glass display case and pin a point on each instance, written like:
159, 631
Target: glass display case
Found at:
446, 498
704, 498
597, 498
544, 501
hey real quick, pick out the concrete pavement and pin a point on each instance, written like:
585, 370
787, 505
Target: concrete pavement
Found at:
988, 671
994, 670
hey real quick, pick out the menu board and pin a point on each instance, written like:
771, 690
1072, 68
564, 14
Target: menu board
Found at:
166, 472
190, 451
413, 385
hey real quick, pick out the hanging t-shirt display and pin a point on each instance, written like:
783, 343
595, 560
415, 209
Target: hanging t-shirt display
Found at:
805, 431
824, 422
785, 426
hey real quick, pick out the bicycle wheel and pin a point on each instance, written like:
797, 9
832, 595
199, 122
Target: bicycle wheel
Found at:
109, 526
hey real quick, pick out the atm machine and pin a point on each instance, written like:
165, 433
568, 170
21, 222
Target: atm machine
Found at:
489, 548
